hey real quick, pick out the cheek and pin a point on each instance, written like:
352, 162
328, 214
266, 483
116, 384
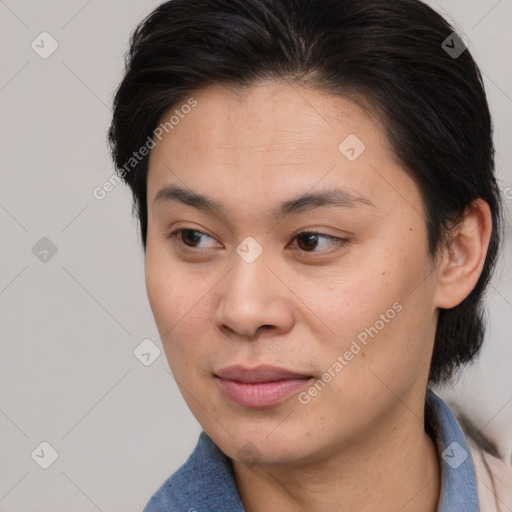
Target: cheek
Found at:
178, 304
383, 303
167, 282
355, 297
167, 290
158, 286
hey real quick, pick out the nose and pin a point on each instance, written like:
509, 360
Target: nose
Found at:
253, 299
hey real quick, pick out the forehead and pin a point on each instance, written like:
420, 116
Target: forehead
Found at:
271, 139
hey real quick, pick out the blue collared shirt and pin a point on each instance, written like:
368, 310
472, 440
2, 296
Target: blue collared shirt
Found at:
205, 483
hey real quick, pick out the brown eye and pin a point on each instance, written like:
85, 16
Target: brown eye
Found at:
307, 241
190, 237
311, 241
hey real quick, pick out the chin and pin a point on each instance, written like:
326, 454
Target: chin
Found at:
256, 446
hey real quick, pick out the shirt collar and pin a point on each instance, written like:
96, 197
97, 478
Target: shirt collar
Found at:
206, 481
458, 479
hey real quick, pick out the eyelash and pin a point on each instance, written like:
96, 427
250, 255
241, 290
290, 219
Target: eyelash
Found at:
339, 242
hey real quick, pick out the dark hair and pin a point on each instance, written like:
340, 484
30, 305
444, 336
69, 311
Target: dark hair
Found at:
390, 54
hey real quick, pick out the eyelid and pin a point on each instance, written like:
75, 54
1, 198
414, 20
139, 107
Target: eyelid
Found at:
314, 232
319, 231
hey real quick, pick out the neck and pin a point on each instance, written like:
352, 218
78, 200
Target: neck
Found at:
389, 470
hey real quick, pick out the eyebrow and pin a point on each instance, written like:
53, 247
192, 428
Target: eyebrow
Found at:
305, 202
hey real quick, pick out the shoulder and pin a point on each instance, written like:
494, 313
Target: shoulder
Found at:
204, 482
174, 493
493, 466
476, 472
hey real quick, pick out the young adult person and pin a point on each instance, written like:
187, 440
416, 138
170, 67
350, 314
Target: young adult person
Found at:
315, 186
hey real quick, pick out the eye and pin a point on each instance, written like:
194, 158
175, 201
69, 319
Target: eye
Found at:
193, 238
312, 241
306, 241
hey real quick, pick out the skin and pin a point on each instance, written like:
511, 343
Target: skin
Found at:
360, 443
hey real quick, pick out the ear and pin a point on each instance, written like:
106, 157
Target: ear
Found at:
462, 257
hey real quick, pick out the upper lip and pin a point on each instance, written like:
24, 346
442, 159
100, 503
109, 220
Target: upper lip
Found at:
263, 373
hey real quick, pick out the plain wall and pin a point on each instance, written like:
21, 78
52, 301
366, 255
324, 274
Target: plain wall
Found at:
69, 325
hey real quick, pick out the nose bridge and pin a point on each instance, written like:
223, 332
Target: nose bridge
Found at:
251, 297
250, 267
249, 274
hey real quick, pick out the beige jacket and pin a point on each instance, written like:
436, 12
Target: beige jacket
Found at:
493, 469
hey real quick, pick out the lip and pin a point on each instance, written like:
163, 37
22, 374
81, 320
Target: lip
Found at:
261, 386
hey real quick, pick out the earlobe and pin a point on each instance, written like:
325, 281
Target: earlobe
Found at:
463, 256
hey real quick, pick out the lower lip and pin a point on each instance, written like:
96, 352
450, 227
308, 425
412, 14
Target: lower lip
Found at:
261, 394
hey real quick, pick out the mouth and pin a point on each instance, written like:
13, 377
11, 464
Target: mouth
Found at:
262, 386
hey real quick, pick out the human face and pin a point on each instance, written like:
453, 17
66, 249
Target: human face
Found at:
305, 302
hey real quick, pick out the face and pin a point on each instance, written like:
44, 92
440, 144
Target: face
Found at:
288, 272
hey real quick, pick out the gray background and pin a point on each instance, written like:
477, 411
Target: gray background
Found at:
70, 324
